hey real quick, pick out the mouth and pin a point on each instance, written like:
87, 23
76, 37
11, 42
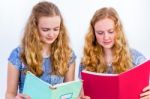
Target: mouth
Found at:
49, 39
107, 43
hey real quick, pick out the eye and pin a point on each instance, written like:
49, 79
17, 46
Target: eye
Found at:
111, 31
100, 32
56, 29
45, 29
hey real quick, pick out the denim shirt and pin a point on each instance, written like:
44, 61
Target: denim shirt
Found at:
14, 59
137, 58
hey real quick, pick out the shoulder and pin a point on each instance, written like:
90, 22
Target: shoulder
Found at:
137, 57
14, 57
15, 52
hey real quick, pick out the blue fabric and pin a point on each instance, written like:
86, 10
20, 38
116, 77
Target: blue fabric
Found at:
14, 58
137, 58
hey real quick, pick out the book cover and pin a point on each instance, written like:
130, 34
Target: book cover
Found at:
127, 85
38, 89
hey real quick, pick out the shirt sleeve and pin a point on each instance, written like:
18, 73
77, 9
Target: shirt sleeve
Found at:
73, 58
137, 57
81, 68
14, 58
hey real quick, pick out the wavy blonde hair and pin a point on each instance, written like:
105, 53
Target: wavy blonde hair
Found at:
93, 57
32, 46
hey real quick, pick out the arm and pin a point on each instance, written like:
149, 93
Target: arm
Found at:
138, 58
13, 76
12, 81
82, 96
70, 73
12, 84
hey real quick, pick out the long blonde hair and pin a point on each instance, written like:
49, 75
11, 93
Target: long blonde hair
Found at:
32, 46
93, 58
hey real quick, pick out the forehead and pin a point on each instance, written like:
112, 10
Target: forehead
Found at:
49, 21
104, 24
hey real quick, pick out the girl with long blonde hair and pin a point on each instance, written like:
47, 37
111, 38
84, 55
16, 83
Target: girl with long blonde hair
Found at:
44, 51
106, 49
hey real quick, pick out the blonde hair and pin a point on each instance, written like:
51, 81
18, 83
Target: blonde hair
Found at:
93, 58
31, 45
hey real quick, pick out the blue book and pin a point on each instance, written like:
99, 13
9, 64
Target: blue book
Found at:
38, 89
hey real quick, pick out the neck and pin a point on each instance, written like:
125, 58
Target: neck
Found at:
46, 51
108, 56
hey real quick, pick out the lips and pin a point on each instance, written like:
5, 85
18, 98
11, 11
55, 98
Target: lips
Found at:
108, 42
49, 39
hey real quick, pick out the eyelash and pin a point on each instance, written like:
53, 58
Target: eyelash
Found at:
100, 33
111, 32
45, 30
56, 29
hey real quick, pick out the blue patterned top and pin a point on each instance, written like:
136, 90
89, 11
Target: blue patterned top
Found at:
14, 58
137, 58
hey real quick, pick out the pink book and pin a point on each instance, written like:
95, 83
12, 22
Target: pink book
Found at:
127, 85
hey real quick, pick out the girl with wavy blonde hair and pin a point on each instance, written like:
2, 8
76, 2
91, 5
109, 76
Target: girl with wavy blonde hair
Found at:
94, 58
106, 49
44, 51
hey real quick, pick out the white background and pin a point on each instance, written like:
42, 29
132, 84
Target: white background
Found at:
77, 14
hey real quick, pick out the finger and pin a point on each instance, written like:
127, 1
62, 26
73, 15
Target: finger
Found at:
147, 97
145, 94
85, 97
27, 97
146, 88
19, 96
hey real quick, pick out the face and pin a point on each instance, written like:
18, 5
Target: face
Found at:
105, 33
49, 28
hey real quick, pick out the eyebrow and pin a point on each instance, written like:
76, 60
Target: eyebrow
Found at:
49, 28
111, 29
104, 30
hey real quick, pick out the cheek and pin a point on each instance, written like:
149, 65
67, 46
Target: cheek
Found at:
99, 38
56, 34
41, 33
113, 38
42, 36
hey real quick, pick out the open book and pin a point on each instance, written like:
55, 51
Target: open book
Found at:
127, 85
38, 89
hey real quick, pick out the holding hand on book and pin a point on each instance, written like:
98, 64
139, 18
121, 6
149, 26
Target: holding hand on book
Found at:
146, 93
22, 96
82, 96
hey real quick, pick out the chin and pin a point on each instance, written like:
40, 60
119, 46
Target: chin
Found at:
107, 46
49, 42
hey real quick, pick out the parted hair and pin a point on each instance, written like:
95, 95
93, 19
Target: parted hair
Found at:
93, 56
60, 52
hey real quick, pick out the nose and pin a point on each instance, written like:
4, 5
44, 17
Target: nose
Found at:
50, 33
106, 36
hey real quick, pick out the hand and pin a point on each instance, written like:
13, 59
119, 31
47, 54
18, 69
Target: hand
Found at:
83, 97
146, 93
22, 96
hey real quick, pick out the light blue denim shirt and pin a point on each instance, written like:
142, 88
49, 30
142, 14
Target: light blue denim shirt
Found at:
137, 58
14, 58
